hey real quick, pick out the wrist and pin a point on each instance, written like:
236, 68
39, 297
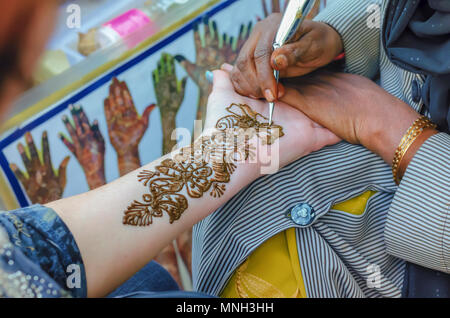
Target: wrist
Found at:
411, 152
386, 133
335, 40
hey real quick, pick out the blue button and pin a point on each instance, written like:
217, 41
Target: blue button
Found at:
416, 93
302, 214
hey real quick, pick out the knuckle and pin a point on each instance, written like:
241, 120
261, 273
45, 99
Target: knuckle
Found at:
241, 64
262, 54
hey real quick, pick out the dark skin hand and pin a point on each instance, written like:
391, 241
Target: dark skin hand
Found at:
87, 145
211, 52
316, 45
125, 127
354, 108
42, 183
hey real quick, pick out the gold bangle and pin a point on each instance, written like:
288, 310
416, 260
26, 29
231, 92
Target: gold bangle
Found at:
408, 139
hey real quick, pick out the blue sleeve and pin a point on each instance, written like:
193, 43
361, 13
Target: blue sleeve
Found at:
40, 240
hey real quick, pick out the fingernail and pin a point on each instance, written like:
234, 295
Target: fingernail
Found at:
209, 76
28, 137
269, 95
281, 61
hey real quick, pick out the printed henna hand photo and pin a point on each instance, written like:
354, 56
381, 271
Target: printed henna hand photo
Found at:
275, 8
41, 182
86, 143
125, 126
212, 50
170, 95
278, 7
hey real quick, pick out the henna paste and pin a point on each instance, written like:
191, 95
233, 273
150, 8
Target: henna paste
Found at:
205, 166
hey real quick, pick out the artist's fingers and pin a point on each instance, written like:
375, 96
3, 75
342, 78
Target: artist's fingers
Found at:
62, 172
19, 174
25, 159
264, 70
46, 152
146, 114
68, 144
241, 83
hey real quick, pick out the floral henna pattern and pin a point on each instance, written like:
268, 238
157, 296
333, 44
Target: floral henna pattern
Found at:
204, 167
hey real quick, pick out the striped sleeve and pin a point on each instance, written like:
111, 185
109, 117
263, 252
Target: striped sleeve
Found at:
418, 223
358, 23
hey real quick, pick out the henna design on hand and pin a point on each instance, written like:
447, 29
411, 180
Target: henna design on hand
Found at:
87, 145
125, 127
212, 50
170, 95
41, 182
207, 165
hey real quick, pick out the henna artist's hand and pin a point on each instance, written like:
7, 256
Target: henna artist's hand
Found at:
87, 145
170, 95
301, 135
318, 45
354, 108
211, 52
41, 182
125, 127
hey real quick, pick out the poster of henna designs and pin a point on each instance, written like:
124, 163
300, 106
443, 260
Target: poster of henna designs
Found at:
87, 145
206, 166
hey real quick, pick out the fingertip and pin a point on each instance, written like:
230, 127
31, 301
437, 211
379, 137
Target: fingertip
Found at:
226, 67
280, 62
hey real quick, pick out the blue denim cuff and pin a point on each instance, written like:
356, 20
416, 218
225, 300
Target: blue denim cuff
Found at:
46, 240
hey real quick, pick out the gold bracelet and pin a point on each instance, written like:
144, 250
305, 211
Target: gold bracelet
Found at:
408, 139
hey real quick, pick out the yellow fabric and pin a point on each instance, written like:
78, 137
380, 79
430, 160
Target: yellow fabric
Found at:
273, 269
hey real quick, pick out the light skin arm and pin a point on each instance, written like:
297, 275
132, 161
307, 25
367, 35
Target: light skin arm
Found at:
112, 252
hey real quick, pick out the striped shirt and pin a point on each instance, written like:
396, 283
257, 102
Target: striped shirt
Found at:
342, 255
